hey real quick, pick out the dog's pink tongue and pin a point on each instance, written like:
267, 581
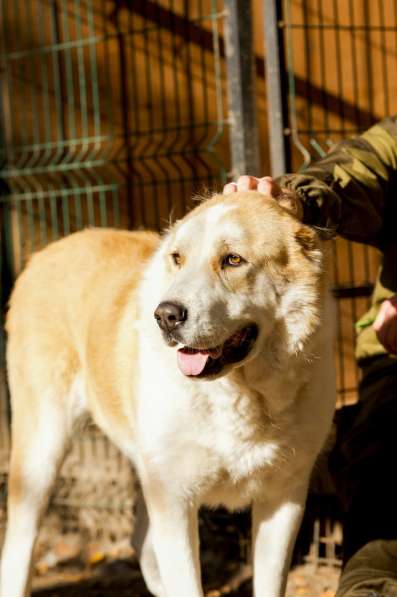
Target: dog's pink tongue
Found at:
192, 363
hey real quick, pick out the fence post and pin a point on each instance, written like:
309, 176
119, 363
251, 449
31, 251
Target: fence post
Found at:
241, 87
5, 289
276, 88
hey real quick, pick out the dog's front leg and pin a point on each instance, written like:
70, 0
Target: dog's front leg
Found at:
274, 528
174, 533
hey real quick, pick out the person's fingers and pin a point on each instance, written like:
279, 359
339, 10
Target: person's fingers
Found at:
230, 187
380, 318
386, 337
392, 336
265, 185
385, 325
387, 312
247, 183
383, 337
268, 186
380, 325
388, 331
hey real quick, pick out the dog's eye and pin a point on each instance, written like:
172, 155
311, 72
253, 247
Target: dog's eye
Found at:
176, 258
232, 260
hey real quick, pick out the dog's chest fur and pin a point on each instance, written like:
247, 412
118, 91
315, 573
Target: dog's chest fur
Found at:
224, 442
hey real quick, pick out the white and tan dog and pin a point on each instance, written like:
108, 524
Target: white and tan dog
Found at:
203, 356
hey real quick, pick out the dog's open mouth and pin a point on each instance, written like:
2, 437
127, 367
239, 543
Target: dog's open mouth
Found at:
196, 362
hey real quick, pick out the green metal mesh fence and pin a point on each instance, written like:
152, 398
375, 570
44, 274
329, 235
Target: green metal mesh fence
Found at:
111, 114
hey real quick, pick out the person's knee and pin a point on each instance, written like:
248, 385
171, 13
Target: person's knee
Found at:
371, 572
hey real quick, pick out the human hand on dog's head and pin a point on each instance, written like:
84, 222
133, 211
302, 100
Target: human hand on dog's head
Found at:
267, 186
385, 324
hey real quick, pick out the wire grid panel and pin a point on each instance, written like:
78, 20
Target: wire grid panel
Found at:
111, 114
341, 60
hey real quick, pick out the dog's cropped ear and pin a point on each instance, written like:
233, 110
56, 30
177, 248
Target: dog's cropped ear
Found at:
290, 202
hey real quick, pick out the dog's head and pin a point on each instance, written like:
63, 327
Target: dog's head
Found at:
240, 270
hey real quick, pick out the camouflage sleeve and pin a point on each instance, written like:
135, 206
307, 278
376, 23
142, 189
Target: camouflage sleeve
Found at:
352, 190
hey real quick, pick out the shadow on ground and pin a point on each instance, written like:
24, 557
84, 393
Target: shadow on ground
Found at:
121, 588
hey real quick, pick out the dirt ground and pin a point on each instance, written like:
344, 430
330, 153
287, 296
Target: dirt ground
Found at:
123, 578
125, 581
69, 564
99, 572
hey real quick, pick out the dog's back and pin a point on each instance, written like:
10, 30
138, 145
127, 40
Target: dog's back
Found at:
72, 285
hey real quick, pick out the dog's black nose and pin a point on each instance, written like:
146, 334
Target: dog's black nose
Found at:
169, 315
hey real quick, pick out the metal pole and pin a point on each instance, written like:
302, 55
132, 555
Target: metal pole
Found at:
6, 280
276, 88
241, 88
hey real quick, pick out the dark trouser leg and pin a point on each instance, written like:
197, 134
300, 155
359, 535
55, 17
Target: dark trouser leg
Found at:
366, 461
371, 571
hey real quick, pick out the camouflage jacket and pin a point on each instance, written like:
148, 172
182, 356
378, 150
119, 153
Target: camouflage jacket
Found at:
353, 192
